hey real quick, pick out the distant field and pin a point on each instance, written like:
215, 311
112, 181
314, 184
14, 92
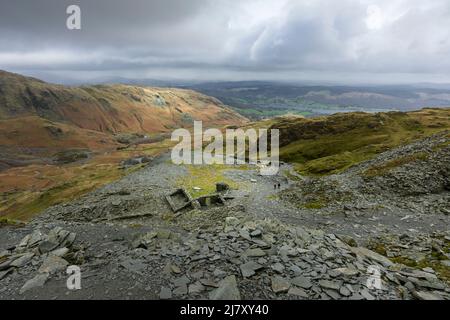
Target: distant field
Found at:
259, 114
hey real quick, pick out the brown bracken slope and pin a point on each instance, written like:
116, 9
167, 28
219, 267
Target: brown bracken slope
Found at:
36, 114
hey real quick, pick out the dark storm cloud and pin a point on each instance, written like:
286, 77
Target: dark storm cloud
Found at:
106, 23
215, 39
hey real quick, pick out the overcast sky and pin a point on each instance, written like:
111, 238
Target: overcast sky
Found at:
346, 41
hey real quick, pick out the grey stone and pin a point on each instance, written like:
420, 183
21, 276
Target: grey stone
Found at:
209, 283
47, 246
262, 261
133, 265
427, 284
256, 252
53, 264
116, 203
424, 295
429, 270
280, 284
245, 234
356, 296
256, 233
3, 274
261, 243
167, 268
288, 251
298, 292
248, 269
302, 234
197, 275
145, 240
329, 284
295, 269
302, 282
34, 239
361, 251
219, 273
332, 294
163, 234
38, 281
4, 254
180, 290
344, 291
22, 260
175, 269
277, 267
165, 293
172, 268
69, 240
24, 242
446, 263
196, 288
348, 272
419, 274
183, 280
227, 290
231, 221
60, 252
410, 286
366, 294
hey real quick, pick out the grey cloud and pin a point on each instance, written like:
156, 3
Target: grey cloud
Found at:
230, 39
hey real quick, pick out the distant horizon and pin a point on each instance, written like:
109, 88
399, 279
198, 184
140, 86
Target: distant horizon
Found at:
115, 79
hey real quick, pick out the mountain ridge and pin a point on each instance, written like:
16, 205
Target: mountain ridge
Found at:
39, 119
110, 108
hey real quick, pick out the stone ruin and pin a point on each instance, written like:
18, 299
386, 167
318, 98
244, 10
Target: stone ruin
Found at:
181, 199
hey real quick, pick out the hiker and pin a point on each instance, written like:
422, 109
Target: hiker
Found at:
275, 186
279, 185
